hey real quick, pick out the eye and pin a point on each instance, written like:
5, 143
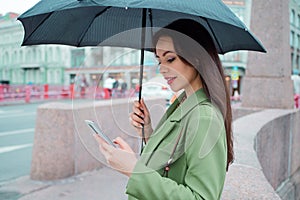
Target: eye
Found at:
158, 63
170, 60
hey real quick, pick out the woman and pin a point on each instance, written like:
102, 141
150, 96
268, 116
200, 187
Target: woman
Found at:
186, 156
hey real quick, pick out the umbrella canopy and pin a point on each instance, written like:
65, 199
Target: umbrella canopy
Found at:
91, 22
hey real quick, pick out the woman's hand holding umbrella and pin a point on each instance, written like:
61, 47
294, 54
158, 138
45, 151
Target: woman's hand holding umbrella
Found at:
122, 159
141, 117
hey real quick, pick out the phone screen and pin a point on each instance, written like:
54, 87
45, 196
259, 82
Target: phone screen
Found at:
97, 130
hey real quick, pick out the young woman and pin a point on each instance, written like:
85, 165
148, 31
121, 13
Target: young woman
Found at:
186, 156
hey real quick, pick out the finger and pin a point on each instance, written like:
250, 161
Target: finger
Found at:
136, 104
137, 118
108, 148
137, 125
122, 144
98, 139
139, 105
103, 151
136, 121
138, 112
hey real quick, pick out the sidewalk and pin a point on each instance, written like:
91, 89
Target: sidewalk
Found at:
104, 184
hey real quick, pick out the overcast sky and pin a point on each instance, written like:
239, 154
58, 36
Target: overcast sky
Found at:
17, 6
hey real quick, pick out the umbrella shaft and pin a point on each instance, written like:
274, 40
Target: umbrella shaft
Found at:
143, 36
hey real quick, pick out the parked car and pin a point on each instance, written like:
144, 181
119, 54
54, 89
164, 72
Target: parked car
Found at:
157, 87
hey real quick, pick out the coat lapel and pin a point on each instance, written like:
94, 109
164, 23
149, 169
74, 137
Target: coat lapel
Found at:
170, 124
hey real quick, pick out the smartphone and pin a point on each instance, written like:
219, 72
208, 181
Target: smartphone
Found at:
97, 130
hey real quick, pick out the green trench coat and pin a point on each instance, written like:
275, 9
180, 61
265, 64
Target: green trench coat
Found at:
199, 164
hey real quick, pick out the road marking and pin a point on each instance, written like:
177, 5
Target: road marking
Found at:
11, 111
16, 132
17, 115
14, 148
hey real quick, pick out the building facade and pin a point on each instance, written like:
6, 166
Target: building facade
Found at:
97, 64
38, 64
295, 35
59, 64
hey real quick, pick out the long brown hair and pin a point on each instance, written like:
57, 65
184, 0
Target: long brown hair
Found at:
193, 53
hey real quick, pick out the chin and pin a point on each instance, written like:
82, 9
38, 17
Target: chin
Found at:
175, 89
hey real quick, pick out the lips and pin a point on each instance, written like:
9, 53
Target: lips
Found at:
170, 80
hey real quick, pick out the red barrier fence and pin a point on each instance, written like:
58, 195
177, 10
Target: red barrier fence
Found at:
297, 100
28, 93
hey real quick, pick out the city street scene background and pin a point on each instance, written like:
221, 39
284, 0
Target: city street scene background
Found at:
41, 79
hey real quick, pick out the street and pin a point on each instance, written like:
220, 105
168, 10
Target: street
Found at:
16, 138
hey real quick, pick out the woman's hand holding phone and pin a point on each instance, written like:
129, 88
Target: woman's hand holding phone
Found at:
122, 159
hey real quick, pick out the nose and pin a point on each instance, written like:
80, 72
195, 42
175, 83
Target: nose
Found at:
163, 69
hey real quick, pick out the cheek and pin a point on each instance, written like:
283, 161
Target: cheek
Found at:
189, 72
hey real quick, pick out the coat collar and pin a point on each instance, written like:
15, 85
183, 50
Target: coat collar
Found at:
176, 112
196, 98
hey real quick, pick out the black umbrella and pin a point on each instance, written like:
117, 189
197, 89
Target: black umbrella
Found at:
91, 22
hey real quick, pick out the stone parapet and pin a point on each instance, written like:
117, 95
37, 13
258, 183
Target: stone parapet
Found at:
63, 143
263, 92
266, 156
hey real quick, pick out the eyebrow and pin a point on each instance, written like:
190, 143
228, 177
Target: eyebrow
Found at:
166, 52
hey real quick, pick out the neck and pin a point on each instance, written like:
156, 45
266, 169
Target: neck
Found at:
193, 86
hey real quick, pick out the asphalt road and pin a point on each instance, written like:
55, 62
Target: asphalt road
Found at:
17, 124
16, 138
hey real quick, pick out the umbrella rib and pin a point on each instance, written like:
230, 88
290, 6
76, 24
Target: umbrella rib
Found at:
213, 33
87, 28
151, 21
150, 17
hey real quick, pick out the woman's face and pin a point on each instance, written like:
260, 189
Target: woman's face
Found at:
179, 74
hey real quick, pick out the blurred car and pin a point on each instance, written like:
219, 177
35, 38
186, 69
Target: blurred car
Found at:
157, 87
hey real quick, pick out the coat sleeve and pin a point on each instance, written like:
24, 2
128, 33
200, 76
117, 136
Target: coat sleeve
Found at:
205, 170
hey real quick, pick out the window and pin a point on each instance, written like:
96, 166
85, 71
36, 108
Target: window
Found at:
34, 55
292, 17
20, 57
14, 77
39, 55
50, 77
15, 57
77, 57
28, 56
292, 39
292, 59
58, 54
50, 55
5, 58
